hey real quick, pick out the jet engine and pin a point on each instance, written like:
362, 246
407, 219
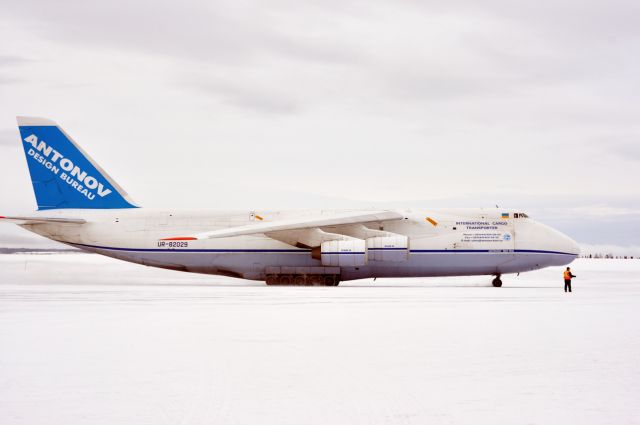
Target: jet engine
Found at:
388, 248
344, 253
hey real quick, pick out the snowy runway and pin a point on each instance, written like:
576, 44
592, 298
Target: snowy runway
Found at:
86, 339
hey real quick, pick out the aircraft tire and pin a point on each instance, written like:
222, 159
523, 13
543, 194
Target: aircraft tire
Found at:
272, 279
316, 280
497, 282
303, 280
331, 280
285, 279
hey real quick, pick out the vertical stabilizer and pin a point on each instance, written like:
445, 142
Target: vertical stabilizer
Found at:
63, 175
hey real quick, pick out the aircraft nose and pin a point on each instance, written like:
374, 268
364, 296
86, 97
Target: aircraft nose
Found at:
563, 249
555, 241
554, 248
566, 245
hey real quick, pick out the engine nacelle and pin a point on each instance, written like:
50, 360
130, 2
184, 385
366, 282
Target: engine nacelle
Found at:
388, 248
350, 253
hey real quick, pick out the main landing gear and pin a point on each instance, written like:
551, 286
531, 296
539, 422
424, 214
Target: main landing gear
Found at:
497, 282
303, 279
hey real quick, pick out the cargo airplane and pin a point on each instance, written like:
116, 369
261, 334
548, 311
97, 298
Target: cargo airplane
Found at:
79, 204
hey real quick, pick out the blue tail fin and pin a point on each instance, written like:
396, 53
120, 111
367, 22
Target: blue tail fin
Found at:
62, 174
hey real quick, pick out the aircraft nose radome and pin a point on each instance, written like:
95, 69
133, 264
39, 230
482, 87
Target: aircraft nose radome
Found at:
568, 245
564, 244
575, 247
560, 248
557, 241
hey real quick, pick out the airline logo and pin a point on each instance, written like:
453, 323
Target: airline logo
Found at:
65, 169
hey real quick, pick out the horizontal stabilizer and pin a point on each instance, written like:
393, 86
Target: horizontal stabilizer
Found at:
41, 220
296, 224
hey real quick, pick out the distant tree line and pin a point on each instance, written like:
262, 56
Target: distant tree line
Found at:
37, 250
619, 257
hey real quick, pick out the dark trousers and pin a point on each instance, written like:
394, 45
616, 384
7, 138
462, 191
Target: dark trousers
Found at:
567, 284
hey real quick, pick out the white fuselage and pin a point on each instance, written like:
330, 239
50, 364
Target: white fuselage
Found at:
454, 242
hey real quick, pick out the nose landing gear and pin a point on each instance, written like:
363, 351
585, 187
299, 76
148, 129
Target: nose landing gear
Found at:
497, 282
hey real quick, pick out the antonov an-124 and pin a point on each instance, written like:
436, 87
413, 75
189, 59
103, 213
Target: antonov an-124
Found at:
79, 204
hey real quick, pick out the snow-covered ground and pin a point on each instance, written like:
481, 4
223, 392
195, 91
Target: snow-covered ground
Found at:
90, 340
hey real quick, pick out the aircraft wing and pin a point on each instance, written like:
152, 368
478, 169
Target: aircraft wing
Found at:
41, 220
296, 224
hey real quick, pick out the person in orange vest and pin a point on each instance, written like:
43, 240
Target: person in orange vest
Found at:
567, 279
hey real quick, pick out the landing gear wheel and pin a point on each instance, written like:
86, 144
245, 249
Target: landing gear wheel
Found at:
316, 280
497, 282
272, 279
285, 279
330, 280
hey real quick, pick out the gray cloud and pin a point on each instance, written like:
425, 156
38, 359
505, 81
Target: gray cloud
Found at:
620, 146
11, 60
253, 98
9, 137
496, 49
10, 80
220, 32
8, 64
628, 149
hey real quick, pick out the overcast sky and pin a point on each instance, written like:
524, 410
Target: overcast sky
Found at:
292, 104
